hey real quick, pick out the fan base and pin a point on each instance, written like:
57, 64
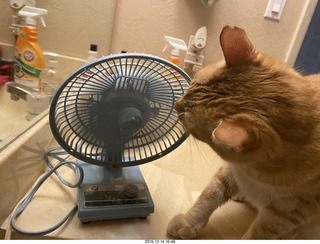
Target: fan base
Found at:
114, 193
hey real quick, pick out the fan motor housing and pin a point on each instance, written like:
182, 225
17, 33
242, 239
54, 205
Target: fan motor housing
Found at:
122, 114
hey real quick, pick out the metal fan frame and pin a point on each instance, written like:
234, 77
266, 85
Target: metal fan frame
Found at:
82, 70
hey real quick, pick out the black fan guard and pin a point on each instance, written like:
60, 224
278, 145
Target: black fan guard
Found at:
138, 90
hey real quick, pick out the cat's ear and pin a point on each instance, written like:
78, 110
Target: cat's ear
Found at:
231, 135
237, 48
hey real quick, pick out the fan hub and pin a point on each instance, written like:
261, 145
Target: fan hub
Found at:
122, 114
130, 121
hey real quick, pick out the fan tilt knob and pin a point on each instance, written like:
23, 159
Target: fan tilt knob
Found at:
131, 190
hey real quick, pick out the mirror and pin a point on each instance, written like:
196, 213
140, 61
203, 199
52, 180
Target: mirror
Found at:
71, 26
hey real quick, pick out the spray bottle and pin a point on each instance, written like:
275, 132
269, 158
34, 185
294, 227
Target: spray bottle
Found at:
29, 60
177, 45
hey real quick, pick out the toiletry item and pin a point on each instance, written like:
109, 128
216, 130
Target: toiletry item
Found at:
29, 60
174, 57
177, 45
193, 60
51, 78
36, 103
93, 53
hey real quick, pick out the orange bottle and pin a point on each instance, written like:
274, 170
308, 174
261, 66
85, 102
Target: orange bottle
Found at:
29, 60
174, 57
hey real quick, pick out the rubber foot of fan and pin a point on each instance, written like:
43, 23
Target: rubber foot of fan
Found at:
85, 222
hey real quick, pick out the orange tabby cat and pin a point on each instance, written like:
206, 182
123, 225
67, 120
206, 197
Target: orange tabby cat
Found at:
263, 119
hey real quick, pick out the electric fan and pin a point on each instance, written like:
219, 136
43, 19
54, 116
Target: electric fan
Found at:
116, 112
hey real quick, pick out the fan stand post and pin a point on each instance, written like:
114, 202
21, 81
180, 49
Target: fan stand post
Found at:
113, 194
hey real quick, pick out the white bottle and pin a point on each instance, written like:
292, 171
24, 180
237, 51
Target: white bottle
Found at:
93, 53
51, 78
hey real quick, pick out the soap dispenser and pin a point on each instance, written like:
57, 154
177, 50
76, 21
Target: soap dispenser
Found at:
195, 54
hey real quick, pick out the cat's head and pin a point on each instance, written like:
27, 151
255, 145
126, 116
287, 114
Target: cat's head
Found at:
244, 106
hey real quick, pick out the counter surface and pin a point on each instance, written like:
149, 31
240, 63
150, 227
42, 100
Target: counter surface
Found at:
175, 181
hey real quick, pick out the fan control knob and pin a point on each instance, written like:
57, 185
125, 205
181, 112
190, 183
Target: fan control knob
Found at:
131, 190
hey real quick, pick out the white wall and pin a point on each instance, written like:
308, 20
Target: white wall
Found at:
142, 24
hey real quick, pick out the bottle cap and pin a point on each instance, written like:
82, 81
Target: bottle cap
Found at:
53, 63
93, 47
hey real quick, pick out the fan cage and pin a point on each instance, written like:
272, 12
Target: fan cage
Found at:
73, 112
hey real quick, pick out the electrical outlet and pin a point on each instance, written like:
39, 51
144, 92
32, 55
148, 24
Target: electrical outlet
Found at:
274, 9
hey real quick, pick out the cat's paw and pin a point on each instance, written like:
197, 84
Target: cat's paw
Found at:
179, 227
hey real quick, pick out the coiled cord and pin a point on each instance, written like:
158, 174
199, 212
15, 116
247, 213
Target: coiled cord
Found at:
54, 152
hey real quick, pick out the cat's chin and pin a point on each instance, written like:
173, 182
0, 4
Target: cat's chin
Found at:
184, 117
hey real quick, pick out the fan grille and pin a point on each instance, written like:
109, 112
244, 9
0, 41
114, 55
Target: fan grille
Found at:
148, 83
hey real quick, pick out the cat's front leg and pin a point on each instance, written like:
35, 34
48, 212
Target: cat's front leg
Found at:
220, 189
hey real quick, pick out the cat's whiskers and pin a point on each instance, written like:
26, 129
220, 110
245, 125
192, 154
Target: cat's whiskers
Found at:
184, 115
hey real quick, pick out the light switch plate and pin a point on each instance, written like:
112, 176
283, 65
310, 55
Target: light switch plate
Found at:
274, 9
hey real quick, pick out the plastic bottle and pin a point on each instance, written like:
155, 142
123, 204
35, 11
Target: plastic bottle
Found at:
177, 45
29, 60
195, 54
174, 57
51, 78
36, 103
93, 53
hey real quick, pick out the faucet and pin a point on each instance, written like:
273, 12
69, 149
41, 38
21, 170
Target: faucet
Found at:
36, 101
18, 91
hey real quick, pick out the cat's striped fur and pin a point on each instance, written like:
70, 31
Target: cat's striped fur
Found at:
263, 118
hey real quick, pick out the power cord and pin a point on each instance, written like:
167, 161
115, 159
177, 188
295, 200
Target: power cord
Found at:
54, 152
